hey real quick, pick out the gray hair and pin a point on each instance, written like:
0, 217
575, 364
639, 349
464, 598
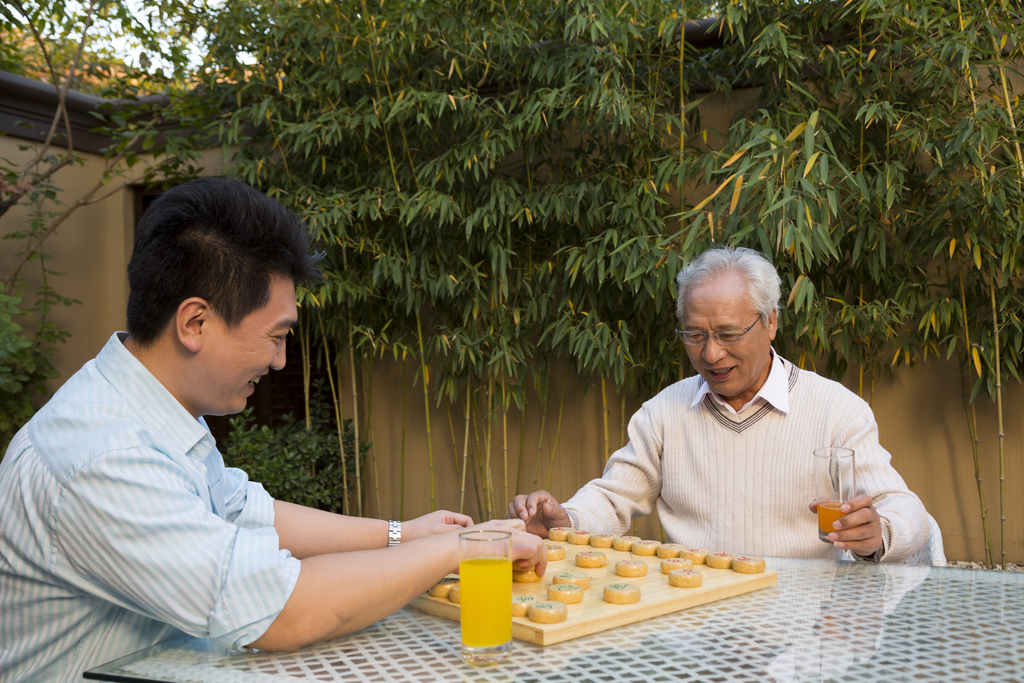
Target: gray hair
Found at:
763, 281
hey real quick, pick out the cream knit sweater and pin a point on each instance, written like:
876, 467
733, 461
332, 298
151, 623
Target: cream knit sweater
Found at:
742, 482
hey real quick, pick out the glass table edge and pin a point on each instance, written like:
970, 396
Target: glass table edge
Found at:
107, 672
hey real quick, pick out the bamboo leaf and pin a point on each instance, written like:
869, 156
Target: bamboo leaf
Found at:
810, 163
793, 292
738, 186
715, 193
735, 157
795, 133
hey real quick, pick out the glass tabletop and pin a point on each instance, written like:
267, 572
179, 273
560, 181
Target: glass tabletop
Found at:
824, 621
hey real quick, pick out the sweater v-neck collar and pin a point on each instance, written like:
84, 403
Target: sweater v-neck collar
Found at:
738, 422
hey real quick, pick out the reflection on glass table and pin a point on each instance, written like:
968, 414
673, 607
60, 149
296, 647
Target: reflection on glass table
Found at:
825, 621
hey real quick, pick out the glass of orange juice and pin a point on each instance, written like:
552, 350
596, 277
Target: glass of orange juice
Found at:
485, 580
835, 483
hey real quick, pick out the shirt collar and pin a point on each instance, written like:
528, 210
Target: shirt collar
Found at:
775, 389
157, 408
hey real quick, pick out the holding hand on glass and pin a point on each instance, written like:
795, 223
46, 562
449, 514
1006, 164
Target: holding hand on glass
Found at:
846, 517
859, 530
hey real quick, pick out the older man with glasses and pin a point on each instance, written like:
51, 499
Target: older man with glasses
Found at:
726, 456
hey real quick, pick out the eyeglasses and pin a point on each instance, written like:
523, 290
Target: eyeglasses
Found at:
722, 337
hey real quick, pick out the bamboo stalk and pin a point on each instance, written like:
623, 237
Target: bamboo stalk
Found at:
989, 554
451, 433
401, 500
871, 394
405, 242
465, 456
604, 419
682, 83
622, 420
426, 406
999, 393
1009, 112
355, 421
339, 414
488, 433
355, 429
477, 484
481, 485
999, 412
368, 383
504, 437
306, 365
558, 429
540, 439
522, 439
972, 423
970, 87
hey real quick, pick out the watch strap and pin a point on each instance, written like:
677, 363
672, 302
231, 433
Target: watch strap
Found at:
394, 532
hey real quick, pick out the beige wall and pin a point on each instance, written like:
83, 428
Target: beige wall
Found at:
91, 250
920, 413
922, 422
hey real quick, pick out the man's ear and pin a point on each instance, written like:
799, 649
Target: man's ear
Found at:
773, 324
189, 322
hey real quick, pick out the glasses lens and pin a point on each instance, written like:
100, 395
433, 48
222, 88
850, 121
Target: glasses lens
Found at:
729, 338
693, 338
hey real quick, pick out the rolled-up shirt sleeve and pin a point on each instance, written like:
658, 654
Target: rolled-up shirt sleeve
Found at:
246, 503
259, 579
133, 528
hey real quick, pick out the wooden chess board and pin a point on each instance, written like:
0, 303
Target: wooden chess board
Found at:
594, 614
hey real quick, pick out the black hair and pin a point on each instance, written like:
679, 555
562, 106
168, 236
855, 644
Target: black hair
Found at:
217, 239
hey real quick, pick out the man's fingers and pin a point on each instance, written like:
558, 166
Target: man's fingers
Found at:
857, 518
516, 507
516, 524
858, 533
856, 503
461, 520
537, 501
530, 548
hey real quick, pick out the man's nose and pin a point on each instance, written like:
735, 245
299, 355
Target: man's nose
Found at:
712, 351
279, 358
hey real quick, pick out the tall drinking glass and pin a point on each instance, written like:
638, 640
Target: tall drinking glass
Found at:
485, 580
835, 483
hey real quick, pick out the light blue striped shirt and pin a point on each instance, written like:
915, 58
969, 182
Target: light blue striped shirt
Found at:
121, 527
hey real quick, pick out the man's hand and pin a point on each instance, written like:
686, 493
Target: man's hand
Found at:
438, 522
539, 511
527, 548
859, 530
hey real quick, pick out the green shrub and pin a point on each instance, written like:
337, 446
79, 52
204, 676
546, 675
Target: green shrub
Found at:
24, 367
293, 463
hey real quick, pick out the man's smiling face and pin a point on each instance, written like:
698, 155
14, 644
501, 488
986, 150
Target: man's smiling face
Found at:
735, 372
238, 357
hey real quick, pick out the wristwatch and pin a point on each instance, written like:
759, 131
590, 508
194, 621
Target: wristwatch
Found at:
879, 554
394, 532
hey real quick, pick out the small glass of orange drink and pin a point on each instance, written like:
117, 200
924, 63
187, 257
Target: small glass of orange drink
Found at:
835, 483
485, 577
